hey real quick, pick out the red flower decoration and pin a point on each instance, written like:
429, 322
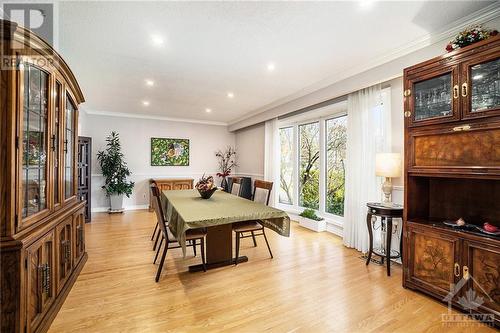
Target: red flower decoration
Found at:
449, 48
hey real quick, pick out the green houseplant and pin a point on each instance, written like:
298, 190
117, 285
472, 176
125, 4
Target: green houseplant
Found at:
115, 171
310, 220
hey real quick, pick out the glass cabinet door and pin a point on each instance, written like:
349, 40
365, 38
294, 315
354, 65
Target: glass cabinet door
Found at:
481, 89
34, 133
69, 144
56, 137
433, 97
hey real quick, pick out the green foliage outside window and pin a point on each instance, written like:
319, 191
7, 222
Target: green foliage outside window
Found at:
309, 166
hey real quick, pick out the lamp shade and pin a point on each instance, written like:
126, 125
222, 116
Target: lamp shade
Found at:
388, 164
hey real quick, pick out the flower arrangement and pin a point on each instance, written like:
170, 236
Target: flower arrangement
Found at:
226, 161
471, 35
206, 186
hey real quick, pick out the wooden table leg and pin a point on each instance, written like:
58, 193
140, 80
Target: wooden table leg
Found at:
219, 248
370, 233
388, 246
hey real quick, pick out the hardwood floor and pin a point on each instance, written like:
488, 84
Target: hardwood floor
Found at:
314, 284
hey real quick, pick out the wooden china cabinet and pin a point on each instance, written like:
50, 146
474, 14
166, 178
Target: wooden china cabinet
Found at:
452, 171
42, 244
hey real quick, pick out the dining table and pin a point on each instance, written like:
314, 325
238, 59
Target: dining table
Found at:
185, 209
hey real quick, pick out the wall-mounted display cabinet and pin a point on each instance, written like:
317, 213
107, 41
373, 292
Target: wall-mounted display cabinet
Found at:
41, 229
452, 171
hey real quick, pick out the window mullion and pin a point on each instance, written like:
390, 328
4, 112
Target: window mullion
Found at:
322, 166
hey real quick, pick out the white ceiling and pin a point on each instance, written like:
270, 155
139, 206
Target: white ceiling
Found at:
212, 48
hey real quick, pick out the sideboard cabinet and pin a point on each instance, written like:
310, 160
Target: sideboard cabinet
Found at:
168, 184
452, 171
42, 231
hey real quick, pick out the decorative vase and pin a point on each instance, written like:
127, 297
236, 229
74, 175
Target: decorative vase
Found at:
116, 201
207, 194
224, 184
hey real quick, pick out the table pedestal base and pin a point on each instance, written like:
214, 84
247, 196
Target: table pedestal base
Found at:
199, 267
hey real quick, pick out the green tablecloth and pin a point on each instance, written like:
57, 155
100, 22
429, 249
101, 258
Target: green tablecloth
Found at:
185, 209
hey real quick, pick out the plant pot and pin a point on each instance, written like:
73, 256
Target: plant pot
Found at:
207, 194
116, 201
317, 226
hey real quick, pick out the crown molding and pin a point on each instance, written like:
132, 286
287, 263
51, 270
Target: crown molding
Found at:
151, 117
447, 32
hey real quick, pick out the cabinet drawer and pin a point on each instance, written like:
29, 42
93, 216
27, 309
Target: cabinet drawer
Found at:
463, 147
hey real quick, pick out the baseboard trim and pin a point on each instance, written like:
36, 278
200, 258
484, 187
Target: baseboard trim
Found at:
132, 207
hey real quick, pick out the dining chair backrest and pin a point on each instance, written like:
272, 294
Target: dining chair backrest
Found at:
236, 186
262, 191
159, 210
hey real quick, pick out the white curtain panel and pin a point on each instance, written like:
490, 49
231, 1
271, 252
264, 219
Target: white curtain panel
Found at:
368, 131
271, 158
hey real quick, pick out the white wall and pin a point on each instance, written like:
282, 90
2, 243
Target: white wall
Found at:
250, 149
135, 135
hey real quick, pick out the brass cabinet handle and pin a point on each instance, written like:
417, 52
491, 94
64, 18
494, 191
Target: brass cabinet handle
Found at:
407, 93
461, 128
407, 114
457, 270
455, 91
465, 272
464, 89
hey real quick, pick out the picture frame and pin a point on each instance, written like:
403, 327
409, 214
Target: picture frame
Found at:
169, 152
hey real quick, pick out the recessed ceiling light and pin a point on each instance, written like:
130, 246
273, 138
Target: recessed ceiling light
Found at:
271, 67
230, 95
208, 110
145, 103
157, 40
477, 77
150, 83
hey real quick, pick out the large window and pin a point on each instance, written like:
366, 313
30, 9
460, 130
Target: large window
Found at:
313, 157
309, 165
336, 139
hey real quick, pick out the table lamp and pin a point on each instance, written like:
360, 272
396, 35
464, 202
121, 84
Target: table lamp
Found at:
388, 165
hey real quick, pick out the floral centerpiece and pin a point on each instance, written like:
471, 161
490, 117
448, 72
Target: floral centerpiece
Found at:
206, 186
471, 35
226, 164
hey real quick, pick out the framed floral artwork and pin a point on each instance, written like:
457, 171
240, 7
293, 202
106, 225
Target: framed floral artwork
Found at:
169, 152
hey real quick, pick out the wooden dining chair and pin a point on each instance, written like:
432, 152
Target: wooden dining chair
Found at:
195, 236
236, 186
156, 232
262, 194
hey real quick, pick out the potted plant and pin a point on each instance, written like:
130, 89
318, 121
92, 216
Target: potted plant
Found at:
115, 172
310, 220
226, 164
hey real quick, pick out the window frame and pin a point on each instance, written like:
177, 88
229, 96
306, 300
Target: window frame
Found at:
321, 119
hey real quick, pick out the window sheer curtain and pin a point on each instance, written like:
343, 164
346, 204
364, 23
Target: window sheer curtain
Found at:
272, 158
368, 132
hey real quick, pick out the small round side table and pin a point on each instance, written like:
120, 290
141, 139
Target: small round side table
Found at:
387, 213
